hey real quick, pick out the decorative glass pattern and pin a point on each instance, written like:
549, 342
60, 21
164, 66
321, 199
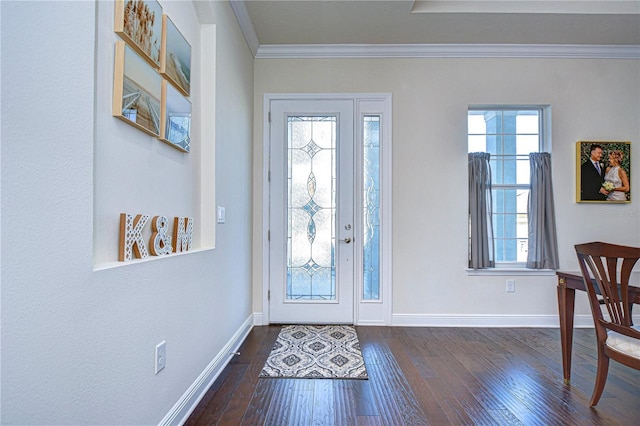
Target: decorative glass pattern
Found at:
311, 207
371, 207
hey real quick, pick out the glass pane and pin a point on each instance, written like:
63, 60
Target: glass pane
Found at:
527, 144
477, 143
476, 123
527, 122
493, 121
510, 170
510, 224
511, 250
371, 207
523, 249
311, 173
522, 196
523, 171
493, 144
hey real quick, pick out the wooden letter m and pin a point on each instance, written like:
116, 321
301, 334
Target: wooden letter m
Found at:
182, 234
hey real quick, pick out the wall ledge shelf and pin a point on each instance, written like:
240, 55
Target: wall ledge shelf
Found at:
112, 265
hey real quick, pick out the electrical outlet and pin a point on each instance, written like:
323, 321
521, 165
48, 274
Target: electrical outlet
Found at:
511, 286
161, 356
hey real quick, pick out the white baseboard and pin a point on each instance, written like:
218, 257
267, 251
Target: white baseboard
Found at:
547, 321
180, 412
371, 323
444, 320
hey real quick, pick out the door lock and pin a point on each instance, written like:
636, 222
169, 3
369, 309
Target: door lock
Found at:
346, 240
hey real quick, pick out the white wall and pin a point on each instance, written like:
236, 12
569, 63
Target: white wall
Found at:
590, 100
78, 344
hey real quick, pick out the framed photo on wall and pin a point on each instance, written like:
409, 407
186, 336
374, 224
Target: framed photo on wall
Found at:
175, 57
139, 23
603, 172
176, 118
137, 91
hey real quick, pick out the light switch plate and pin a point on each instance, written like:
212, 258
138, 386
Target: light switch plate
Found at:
161, 356
221, 215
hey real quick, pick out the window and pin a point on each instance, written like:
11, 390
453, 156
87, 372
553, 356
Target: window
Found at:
371, 207
509, 134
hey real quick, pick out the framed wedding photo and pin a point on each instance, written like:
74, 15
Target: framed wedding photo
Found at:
603, 172
137, 91
139, 23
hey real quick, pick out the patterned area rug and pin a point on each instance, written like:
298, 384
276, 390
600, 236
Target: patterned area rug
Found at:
316, 352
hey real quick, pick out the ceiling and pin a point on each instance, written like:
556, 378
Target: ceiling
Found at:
401, 22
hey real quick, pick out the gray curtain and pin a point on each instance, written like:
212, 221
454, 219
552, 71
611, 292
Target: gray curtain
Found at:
480, 225
543, 241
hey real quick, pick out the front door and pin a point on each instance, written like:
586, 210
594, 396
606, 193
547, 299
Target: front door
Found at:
311, 213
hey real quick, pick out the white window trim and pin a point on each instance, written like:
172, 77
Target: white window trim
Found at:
498, 271
519, 268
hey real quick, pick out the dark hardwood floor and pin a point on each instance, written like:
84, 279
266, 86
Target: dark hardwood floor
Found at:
430, 376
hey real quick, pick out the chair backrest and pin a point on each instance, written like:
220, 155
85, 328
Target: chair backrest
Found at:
606, 269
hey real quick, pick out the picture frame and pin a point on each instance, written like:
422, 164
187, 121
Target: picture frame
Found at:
175, 57
176, 118
611, 183
139, 24
137, 91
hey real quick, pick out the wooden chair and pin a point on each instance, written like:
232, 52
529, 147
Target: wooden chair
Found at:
606, 269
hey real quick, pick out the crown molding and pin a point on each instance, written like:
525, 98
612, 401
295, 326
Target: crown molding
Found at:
333, 51
563, 51
618, 7
246, 25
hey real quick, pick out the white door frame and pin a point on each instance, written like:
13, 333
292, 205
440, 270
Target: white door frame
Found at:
365, 312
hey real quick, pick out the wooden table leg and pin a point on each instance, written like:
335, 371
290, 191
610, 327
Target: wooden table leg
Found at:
566, 304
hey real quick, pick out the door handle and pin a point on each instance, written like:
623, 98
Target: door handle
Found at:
346, 240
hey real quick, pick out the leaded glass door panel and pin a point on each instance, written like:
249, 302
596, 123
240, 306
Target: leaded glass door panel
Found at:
311, 211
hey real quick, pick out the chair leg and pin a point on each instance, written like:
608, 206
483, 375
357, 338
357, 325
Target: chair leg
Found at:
601, 377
